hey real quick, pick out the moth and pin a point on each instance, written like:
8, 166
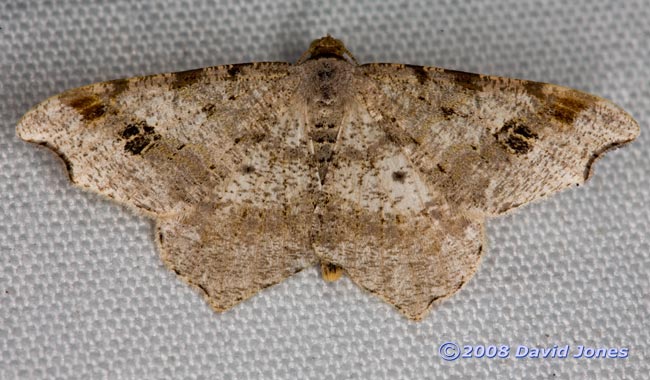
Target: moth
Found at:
383, 172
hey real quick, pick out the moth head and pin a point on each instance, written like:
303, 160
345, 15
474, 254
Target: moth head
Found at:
327, 47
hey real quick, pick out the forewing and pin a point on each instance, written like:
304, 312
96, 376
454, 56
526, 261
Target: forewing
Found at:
490, 143
159, 143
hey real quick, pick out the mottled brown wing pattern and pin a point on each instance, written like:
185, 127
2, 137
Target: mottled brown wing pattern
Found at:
210, 154
489, 143
385, 172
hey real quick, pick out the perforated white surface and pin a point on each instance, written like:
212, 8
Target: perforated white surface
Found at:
84, 295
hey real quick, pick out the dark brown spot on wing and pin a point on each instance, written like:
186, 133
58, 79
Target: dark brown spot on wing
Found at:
187, 78
119, 86
469, 81
524, 131
130, 131
419, 72
235, 70
248, 169
89, 106
91, 103
567, 109
536, 89
518, 144
564, 109
93, 111
447, 112
137, 145
516, 136
139, 137
399, 176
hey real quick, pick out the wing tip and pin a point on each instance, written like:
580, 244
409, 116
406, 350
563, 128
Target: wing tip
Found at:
24, 127
625, 130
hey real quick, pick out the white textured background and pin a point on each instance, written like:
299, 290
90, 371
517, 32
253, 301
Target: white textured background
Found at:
84, 295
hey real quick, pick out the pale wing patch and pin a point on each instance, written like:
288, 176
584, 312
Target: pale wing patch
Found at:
405, 191
391, 186
263, 182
